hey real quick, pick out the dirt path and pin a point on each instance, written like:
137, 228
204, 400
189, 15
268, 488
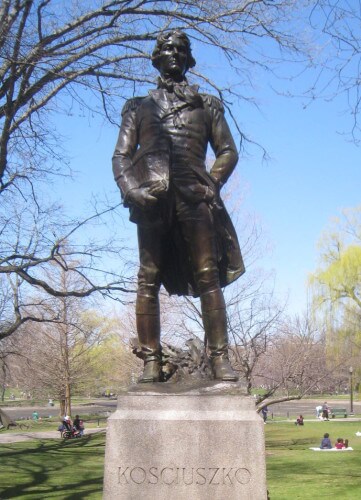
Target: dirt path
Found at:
15, 437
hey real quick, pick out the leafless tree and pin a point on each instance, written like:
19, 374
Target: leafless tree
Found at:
53, 349
337, 23
6, 352
57, 55
49, 48
34, 247
253, 319
81, 353
296, 364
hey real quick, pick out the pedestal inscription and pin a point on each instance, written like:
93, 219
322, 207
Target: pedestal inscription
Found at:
184, 475
196, 445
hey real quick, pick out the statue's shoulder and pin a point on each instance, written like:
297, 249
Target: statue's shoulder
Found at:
132, 104
213, 102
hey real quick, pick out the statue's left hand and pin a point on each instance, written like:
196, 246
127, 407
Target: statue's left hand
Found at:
158, 188
141, 197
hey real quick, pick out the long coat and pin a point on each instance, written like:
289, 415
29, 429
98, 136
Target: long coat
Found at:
159, 132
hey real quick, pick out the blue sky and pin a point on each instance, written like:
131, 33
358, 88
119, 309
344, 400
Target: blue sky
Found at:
313, 172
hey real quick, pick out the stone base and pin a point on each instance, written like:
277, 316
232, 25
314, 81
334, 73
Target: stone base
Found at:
197, 444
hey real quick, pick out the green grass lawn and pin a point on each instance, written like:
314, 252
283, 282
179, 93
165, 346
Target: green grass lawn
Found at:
44, 424
73, 469
295, 472
48, 469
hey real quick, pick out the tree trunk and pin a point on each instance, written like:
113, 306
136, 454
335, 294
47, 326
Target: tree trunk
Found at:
249, 382
3, 387
68, 398
62, 407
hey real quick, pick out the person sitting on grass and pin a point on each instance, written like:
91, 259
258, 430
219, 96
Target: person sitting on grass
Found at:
339, 444
326, 442
299, 420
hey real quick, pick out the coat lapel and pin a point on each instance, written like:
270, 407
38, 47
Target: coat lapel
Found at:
161, 100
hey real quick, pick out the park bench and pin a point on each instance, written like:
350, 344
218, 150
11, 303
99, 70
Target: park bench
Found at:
338, 412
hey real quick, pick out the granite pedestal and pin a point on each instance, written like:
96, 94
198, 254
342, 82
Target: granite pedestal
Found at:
170, 443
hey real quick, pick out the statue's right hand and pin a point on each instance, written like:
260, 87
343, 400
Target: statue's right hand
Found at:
141, 198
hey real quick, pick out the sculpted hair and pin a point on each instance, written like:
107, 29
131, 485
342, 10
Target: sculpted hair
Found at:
164, 37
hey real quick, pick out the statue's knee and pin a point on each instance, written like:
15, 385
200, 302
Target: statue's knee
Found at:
147, 303
148, 279
207, 279
212, 301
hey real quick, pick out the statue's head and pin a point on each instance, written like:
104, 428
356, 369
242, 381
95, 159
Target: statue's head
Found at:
172, 55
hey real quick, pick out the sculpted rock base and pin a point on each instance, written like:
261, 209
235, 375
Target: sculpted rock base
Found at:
182, 443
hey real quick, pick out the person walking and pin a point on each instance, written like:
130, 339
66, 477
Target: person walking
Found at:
264, 414
325, 411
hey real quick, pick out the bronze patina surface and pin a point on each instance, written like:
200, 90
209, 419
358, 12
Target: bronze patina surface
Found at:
186, 239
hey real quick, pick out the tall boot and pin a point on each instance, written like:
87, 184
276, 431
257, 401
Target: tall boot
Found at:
148, 328
215, 327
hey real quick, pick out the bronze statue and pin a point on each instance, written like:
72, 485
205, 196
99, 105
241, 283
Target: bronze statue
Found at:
186, 239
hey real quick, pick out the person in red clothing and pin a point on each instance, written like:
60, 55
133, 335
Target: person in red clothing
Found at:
299, 420
339, 444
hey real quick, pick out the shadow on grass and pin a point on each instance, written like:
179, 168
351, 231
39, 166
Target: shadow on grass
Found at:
70, 469
291, 444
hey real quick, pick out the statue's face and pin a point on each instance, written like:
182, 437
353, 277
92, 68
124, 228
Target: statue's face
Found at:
173, 58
